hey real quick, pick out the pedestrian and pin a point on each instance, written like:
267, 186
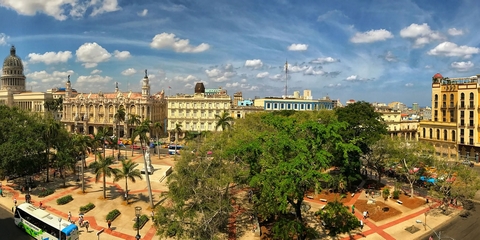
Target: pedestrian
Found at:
1, 192
109, 224
430, 238
41, 205
87, 224
364, 214
15, 201
368, 214
361, 224
353, 209
69, 216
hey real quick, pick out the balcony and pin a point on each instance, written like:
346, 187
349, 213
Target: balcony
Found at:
471, 106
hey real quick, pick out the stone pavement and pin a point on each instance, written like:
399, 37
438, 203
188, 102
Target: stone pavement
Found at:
122, 226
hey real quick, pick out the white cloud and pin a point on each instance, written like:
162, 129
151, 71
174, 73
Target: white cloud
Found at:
294, 69
276, 77
352, 78
106, 6
57, 8
324, 60
128, 72
96, 71
94, 79
409, 85
3, 39
90, 54
255, 63
50, 57
189, 78
297, 47
221, 74
169, 41
333, 85
173, 7
455, 32
420, 34
462, 66
356, 78
371, 36
51, 78
312, 71
122, 55
262, 75
389, 57
450, 49
143, 13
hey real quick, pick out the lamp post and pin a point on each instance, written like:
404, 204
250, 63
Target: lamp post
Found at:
82, 158
78, 173
59, 228
137, 213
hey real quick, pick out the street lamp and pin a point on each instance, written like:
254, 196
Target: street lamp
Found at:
78, 173
137, 213
59, 228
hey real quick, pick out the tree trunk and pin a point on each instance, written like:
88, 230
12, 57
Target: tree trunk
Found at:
411, 189
48, 162
126, 189
104, 187
83, 175
158, 147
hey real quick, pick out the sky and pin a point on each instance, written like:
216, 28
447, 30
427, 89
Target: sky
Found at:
371, 50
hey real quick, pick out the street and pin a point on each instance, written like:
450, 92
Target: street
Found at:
460, 228
8, 228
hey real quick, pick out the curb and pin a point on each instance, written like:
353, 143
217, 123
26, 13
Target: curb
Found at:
426, 235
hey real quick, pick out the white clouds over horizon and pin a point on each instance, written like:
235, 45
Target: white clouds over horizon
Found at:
297, 47
50, 57
449, 49
90, 54
129, 72
170, 41
462, 66
420, 34
371, 36
255, 63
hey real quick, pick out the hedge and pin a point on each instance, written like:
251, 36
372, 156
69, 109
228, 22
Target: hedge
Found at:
143, 219
45, 192
113, 214
64, 200
87, 207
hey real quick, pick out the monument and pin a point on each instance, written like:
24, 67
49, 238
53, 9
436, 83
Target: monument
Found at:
150, 168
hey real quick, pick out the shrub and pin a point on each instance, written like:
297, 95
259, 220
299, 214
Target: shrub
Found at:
64, 200
87, 207
113, 214
45, 192
396, 194
386, 193
143, 219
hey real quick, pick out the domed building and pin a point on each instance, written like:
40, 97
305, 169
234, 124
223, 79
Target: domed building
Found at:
13, 89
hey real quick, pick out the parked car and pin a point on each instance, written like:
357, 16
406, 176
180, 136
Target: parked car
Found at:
135, 146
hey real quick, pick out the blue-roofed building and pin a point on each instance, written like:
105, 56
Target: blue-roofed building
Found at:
295, 102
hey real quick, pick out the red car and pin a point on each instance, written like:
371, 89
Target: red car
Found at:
137, 147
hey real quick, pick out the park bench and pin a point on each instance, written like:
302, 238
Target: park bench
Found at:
323, 200
399, 202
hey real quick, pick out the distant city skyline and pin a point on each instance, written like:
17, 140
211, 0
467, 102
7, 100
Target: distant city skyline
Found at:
376, 51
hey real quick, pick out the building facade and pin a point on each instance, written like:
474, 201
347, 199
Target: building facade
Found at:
89, 113
295, 102
196, 113
398, 125
13, 90
454, 125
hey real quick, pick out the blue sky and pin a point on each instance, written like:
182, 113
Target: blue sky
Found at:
377, 51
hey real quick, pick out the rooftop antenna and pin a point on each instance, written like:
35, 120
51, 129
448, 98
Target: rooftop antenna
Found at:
286, 78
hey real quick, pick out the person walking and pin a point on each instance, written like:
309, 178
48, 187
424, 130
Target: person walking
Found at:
361, 224
15, 201
353, 208
364, 214
87, 224
1, 192
69, 216
109, 223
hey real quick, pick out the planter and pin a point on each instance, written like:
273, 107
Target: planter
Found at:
112, 215
86, 208
64, 200
141, 222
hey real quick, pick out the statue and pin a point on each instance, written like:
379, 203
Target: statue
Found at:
146, 73
116, 84
150, 168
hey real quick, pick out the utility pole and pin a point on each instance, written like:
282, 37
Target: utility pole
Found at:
286, 78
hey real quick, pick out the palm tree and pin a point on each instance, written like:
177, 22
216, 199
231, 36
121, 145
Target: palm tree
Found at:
80, 146
103, 135
224, 121
102, 168
157, 126
128, 171
119, 117
134, 120
50, 133
141, 131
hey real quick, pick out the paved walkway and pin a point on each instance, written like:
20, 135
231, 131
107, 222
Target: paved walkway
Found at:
122, 226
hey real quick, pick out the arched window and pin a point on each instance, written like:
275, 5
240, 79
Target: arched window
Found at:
462, 96
436, 97
453, 135
444, 97
471, 96
438, 134
445, 135
431, 133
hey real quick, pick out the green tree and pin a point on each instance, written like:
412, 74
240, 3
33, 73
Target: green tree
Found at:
128, 171
141, 131
119, 117
287, 155
102, 168
103, 136
224, 121
66, 157
199, 194
49, 136
80, 147
337, 219
365, 127
378, 158
133, 120
157, 127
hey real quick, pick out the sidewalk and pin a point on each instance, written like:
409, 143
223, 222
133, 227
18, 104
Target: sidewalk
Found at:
122, 226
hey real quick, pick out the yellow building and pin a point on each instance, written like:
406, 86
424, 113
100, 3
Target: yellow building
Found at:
13, 90
397, 125
240, 107
454, 127
89, 112
196, 113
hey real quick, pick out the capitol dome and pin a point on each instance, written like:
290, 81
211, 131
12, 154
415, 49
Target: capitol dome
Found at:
12, 73
13, 61
199, 88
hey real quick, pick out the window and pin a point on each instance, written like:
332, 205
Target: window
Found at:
268, 105
445, 135
424, 133
431, 133
453, 135
288, 106
452, 114
274, 106
462, 96
309, 106
438, 134
444, 115
436, 101
282, 106
471, 115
